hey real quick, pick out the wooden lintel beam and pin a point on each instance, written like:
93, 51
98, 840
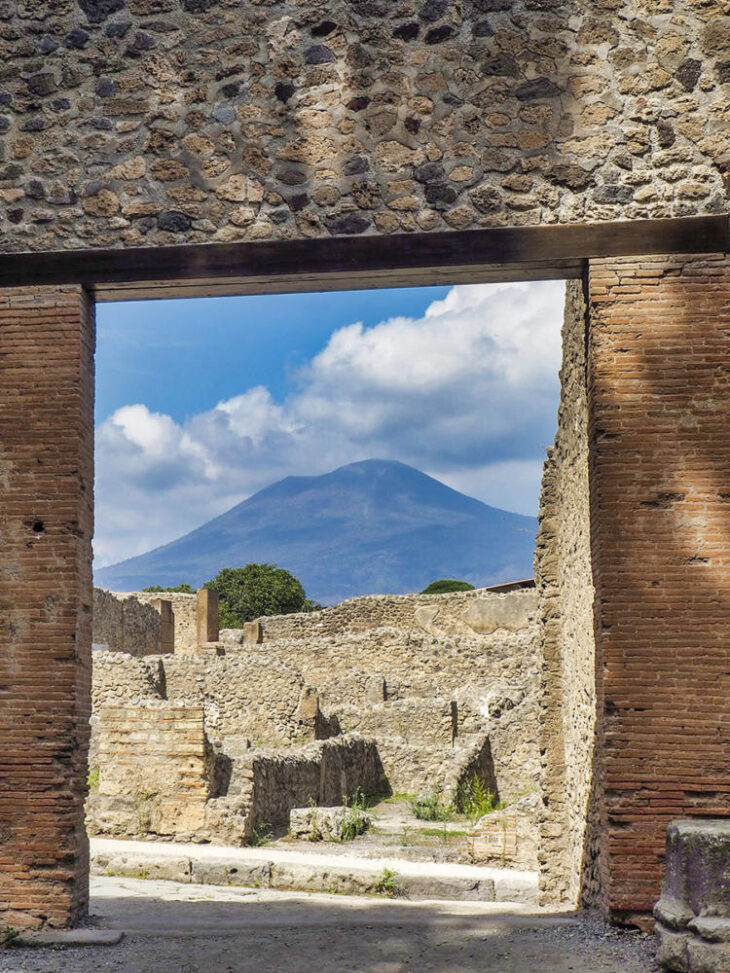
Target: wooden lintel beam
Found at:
502, 253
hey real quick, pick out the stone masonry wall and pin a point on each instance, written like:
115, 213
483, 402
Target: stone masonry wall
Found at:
155, 122
153, 772
325, 773
452, 613
427, 697
563, 572
659, 403
184, 608
126, 624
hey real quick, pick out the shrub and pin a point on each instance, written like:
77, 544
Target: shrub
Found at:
389, 885
445, 585
355, 822
183, 589
430, 807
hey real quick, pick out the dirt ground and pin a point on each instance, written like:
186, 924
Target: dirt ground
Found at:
171, 928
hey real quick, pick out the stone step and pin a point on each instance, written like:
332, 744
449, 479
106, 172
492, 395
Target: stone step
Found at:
305, 872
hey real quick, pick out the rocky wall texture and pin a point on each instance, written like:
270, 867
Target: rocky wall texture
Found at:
428, 699
563, 573
156, 122
457, 613
126, 624
325, 773
184, 609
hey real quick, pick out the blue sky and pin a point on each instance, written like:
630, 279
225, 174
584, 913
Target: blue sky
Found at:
201, 403
181, 357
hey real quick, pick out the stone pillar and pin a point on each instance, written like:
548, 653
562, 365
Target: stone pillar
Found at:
659, 430
167, 625
207, 609
46, 522
693, 914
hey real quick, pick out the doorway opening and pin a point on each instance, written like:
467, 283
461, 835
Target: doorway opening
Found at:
384, 448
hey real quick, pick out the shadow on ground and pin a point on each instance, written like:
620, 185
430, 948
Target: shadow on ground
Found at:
172, 928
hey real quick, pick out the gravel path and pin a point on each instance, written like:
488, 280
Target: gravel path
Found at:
173, 928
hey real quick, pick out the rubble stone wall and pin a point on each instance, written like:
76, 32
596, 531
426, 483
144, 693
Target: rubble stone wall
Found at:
446, 614
184, 609
324, 773
428, 699
563, 573
156, 122
126, 624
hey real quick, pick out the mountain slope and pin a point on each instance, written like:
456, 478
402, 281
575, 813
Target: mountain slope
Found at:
371, 527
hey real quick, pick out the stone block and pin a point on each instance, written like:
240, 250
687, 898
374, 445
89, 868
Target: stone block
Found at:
487, 615
207, 616
326, 823
693, 914
253, 633
221, 871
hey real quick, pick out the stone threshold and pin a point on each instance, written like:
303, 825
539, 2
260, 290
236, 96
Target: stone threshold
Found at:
284, 870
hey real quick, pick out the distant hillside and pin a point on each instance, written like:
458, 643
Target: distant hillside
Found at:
372, 527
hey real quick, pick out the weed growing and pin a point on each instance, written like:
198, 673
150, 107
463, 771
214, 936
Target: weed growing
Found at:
389, 885
261, 835
430, 807
475, 799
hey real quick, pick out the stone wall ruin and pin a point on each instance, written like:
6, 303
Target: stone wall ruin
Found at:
434, 709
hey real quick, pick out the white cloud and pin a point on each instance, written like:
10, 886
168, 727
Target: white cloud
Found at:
467, 393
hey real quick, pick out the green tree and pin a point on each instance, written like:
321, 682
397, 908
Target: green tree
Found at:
256, 590
447, 584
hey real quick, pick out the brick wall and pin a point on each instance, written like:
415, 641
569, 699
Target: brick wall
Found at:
659, 402
46, 517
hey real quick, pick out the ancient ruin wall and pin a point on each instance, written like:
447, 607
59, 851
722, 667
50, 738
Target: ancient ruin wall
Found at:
156, 122
325, 773
564, 579
424, 696
451, 613
126, 624
153, 773
184, 608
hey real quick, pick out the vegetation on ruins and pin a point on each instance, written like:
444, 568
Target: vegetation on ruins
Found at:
182, 589
389, 885
474, 799
430, 807
93, 778
445, 585
261, 835
9, 937
257, 590
356, 821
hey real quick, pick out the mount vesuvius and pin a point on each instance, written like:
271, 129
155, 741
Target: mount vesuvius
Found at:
372, 527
